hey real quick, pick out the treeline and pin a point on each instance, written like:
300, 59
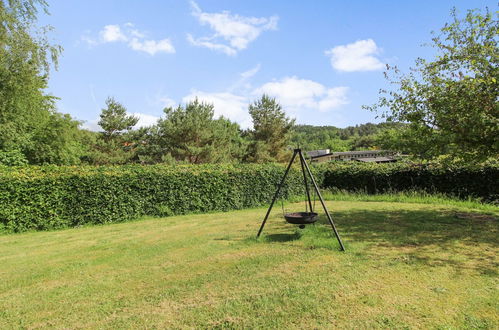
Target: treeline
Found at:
360, 137
189, 134
184, 134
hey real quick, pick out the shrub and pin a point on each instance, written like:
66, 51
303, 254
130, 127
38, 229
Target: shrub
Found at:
49, 197
460, 181
12, 158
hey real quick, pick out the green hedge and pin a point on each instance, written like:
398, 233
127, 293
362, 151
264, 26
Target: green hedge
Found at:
40, 198
460, 181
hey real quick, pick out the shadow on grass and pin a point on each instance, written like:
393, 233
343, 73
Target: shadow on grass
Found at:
429, 237
415, 227
283, 237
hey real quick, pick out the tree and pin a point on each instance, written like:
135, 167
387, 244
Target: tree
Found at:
451, 102
408, 140
114, 144
24, 66
114, 119
191, 134
271, 131
30, 127
58, 140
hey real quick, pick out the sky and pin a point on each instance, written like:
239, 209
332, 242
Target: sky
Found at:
322, 60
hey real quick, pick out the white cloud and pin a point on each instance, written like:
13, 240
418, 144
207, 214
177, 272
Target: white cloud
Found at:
90, 41
112, 33
295, 94
357, 56
160, 100
145, 119
334, 98
151, 46
166, 102
299, 97
232, 33
229, 105
91, 125
135, 39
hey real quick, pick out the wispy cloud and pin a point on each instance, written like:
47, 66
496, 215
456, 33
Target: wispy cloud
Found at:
244, 77
232, 33
152, 46
251, 72
357, 56
135, 39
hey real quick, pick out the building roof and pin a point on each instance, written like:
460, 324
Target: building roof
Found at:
352, 153
376, 160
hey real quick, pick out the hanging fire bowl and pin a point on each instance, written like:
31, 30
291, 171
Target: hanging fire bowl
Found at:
301, 218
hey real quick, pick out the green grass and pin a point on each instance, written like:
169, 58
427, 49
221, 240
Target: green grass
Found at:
420, 197
407, 265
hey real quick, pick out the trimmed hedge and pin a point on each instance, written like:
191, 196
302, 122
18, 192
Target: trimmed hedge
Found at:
460, 181
40, 198
49, 197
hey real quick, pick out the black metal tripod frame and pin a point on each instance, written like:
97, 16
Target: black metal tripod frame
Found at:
306, 170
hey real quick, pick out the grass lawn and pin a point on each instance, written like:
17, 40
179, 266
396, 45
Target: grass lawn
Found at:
407, 265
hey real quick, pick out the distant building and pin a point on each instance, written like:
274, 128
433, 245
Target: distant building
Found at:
315, 153
366, 156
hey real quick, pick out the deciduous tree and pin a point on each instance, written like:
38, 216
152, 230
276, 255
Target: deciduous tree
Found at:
451, 102
30, 127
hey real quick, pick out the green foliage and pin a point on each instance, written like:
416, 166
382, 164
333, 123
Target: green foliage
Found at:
107, 152
114, 145
12, 158
191, 134
359, 137
451, 102
460, 181
24, 65
28, 121
57, 140
114, 119
411, 141
39, 198
270, 136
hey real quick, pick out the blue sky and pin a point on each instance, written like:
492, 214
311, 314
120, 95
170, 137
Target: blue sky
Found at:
321, 59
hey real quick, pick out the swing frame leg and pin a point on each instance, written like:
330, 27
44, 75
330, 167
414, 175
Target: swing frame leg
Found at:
342, 247
277, 193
